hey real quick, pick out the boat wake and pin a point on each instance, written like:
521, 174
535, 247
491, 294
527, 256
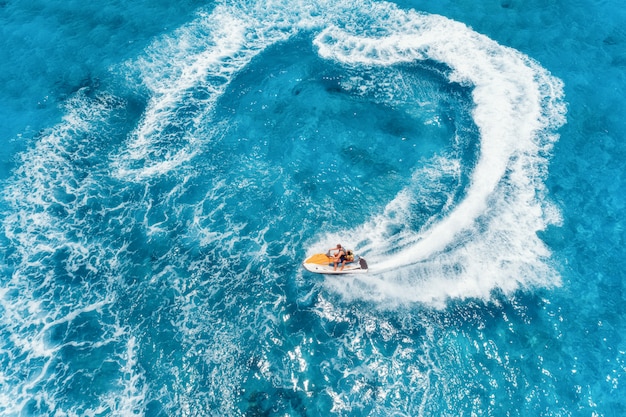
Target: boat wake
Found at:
488, 239
485, 240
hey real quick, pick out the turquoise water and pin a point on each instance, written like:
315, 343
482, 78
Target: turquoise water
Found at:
167, 167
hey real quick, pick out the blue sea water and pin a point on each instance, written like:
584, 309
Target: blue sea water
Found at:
167, 166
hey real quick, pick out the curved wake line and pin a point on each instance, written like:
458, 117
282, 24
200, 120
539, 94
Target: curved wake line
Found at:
173, 70
504, 86
488, 240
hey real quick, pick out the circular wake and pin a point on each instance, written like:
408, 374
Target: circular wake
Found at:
486, 240
489, 239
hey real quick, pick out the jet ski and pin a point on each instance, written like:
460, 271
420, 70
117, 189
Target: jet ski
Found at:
322, 263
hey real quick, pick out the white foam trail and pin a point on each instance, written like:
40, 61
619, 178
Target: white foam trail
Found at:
489, 239
203, 55
504, 86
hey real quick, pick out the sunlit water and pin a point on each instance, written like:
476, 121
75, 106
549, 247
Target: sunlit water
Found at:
166, 170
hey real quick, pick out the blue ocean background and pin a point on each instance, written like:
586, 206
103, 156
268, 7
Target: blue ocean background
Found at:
167, 166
